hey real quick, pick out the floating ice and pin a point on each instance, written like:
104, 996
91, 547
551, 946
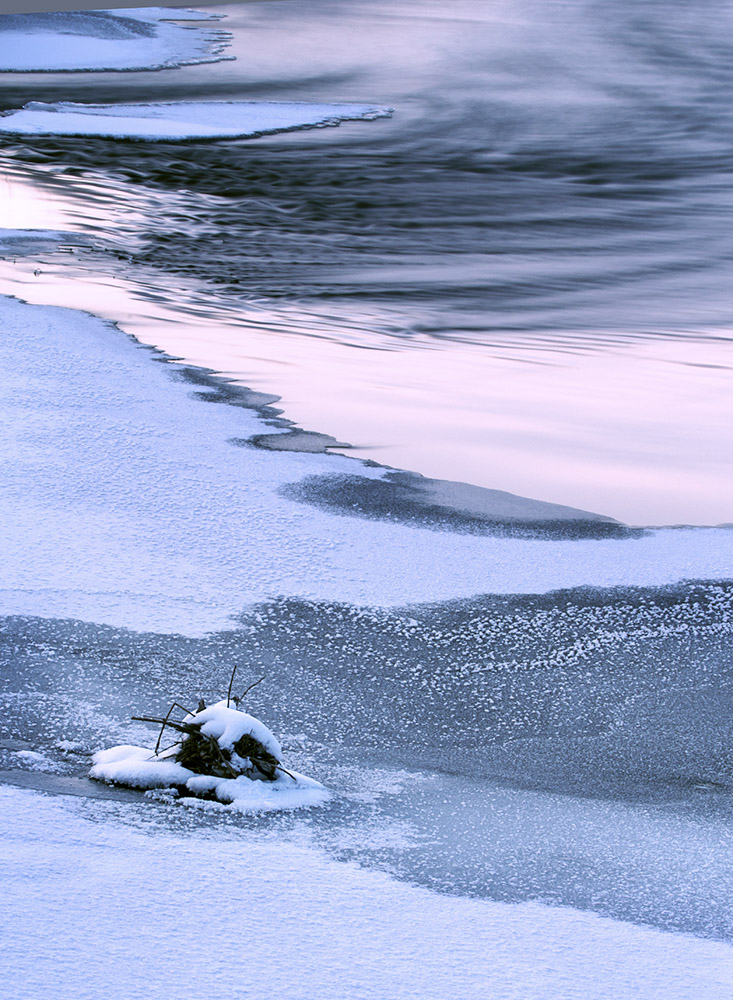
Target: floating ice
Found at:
181, 120
18, 242
127, 39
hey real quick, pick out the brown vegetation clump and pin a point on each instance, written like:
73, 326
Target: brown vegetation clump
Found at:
203, 754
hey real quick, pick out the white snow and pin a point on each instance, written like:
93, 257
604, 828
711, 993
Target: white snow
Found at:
126, 39
138, 767
240, 915
180, 120
35, 760
141, 767
122, 502
227, 725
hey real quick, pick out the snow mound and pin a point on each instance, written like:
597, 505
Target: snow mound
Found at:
249, 785
228, 725
98, 40
181, 120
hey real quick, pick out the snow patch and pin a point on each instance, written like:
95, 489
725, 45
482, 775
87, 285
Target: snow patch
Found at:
180, 120
325, 929
36, 761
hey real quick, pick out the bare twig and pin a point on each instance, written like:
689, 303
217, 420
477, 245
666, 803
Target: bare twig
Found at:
246, 691
162, 728
231, 682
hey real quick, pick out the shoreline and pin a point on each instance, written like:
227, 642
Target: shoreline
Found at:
473, 505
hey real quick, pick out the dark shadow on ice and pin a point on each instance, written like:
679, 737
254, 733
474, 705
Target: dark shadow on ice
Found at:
409, 498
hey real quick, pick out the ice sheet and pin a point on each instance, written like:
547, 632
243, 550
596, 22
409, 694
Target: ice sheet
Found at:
180, 120
176, 904
123, 502
126, 39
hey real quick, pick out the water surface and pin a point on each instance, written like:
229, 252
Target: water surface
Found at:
520, 281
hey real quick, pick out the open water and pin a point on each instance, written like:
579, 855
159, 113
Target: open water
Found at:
521, 280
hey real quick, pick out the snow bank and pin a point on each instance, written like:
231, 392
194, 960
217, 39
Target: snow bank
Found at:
123, 502
180, 120
166, 902
127, 39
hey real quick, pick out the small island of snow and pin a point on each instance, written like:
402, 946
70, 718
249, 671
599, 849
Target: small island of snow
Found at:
224, 755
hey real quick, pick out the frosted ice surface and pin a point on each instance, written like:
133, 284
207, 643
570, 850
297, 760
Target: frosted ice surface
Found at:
126, 39
123, 502
166, 901
180, 120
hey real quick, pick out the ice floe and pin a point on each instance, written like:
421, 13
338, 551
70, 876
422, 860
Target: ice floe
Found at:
181, 120
124, 502
23, 241
142, 38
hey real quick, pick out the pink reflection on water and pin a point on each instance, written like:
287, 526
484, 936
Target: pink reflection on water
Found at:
637, 430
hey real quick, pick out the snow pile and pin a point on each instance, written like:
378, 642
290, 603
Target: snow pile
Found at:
225, 755
128, 39
182, 119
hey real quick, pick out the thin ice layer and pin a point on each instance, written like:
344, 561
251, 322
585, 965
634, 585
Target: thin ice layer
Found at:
125, 39
180, 120
124, 502
173, 903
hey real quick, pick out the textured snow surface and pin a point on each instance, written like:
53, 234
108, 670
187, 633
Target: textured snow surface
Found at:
84, 889
123, 501
126, 39
182, 120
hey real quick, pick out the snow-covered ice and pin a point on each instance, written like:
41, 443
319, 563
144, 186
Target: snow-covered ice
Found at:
140, 38
124, 502
181, 120
172, 907
211, 529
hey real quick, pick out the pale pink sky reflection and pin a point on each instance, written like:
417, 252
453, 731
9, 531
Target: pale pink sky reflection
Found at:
639, 431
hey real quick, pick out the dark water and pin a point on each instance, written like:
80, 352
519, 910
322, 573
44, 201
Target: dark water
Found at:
551, 166
554, 188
